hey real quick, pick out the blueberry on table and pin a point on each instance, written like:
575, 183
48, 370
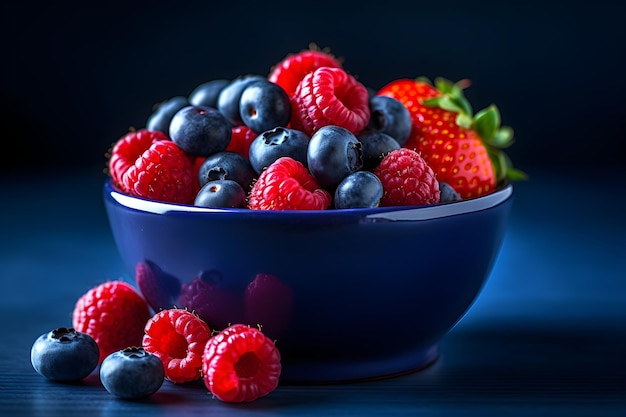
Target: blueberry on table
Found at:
206, 94
361, 189
132, 373
65, 355
161, 117
333, 153
276, 143
200, 131
264, 105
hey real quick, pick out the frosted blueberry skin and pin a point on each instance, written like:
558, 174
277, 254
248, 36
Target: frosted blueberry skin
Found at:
276, 143
206, 94
132, 373
221, 194
227, 165
264, 105
361, 189
230, 96
375, 145
388, 115
65, 355
333, 153
161, 118
200, 131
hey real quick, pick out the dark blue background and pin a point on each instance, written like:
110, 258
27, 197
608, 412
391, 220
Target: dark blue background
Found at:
74, 79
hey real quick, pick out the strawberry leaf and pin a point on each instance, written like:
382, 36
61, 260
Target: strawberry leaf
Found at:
464, 120
503, 138
487, 123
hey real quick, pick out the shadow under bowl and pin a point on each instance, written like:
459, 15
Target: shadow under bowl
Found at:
346, 294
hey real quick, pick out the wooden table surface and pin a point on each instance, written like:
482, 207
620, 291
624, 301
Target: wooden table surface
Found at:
546, 336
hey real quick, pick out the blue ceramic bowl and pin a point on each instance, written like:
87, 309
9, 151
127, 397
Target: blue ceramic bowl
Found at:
347, 294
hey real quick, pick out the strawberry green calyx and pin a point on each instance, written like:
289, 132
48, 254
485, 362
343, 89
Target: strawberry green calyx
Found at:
486, 123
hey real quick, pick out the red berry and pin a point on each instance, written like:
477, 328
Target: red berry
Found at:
291, 70
287, 185
330, 96
128, 148
242, 137
177, 337
163, 172
113, 314
407, 179
241, 364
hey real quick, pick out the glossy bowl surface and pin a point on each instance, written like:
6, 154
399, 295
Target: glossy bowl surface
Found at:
347, 294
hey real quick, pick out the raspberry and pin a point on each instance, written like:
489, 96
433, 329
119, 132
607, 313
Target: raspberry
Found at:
291, 70
128, 148
330, 96
163, 172
177, 337
241, 364
407, 179
241, 139
113, 314
287, 185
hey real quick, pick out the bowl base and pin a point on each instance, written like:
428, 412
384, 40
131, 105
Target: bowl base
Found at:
316, 373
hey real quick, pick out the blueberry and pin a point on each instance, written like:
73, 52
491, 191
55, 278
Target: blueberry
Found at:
275, 143
375, 146
64, 354
389, 116
200, 131
226, 165
132, 373
221, 193
333, 153
230, 96
448, 194
264, 105
206, 94
361, 189
162, 115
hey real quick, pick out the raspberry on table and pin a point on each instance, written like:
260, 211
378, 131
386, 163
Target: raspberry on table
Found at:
128, 148
330, 96
287, 185
177, 337
241, 364
407, 179
163, 172
113, 314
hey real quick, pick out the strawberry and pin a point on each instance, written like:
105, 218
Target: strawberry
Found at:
464, 150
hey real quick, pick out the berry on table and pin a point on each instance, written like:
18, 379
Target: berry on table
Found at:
64, 355
113, 314
132, 373
407, 179
329, 96
177, 337
241, 364
287, 185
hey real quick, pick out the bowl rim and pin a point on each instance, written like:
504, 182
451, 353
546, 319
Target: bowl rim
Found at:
391, 213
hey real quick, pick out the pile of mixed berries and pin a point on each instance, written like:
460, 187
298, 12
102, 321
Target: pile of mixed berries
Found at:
311, 136
114, 328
